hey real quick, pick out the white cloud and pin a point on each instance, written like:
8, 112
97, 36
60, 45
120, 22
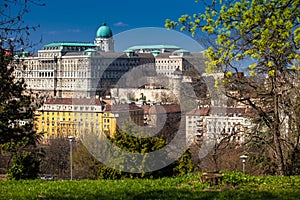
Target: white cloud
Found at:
120, 24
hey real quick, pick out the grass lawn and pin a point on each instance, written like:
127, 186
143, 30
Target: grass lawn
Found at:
186, 187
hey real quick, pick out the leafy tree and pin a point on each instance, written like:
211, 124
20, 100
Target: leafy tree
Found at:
25, 165
127, 142
17, 106
266, 32
17, 109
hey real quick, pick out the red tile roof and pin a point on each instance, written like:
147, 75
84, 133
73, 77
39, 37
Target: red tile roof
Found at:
166, 108
74, 101
121, 107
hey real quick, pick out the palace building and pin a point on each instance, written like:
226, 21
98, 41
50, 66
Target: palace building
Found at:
77, 69
81, 69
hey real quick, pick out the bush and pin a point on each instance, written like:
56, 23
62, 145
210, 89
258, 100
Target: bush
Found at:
127, 142
238, 178
25, 165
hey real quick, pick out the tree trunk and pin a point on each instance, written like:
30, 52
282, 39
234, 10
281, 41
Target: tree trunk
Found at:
279, 154
276, 136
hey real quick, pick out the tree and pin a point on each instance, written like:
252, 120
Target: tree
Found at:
14, 31
124, 140
25, 166
56, 158
17, 109
85, 166
17, 105
266, 32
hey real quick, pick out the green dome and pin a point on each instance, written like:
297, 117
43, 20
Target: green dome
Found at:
104, 32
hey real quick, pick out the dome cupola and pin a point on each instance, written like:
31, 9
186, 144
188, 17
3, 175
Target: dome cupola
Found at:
104, 31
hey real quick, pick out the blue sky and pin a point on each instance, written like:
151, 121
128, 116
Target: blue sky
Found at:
64, 20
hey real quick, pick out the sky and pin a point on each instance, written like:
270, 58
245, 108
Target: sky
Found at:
135, 22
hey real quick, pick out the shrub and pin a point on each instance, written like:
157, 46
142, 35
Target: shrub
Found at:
239, 178
25, 165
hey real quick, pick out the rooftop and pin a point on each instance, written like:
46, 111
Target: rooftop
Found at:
122, 107
74, 101
166, 108
73, 44
104, 31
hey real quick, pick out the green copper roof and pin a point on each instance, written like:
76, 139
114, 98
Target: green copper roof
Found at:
77, 44
104, 32
181, 51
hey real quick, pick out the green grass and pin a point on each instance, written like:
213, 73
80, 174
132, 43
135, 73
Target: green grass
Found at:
186, 187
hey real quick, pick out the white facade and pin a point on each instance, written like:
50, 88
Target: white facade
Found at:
105, 44
218, 127
207, 124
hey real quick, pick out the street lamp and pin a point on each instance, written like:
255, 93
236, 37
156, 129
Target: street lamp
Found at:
71, 138
244, 157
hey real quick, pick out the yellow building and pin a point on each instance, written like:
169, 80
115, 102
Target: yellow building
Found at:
62, 117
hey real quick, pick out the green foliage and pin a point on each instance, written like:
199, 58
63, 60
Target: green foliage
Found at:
184, 165
132, 99
17, 131
266, 31
15, 107
106, 172
25, 165
128, 142
239, 178
143, 98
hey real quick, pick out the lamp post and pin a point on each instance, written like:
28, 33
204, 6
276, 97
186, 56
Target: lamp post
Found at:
71, 138
244, 157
